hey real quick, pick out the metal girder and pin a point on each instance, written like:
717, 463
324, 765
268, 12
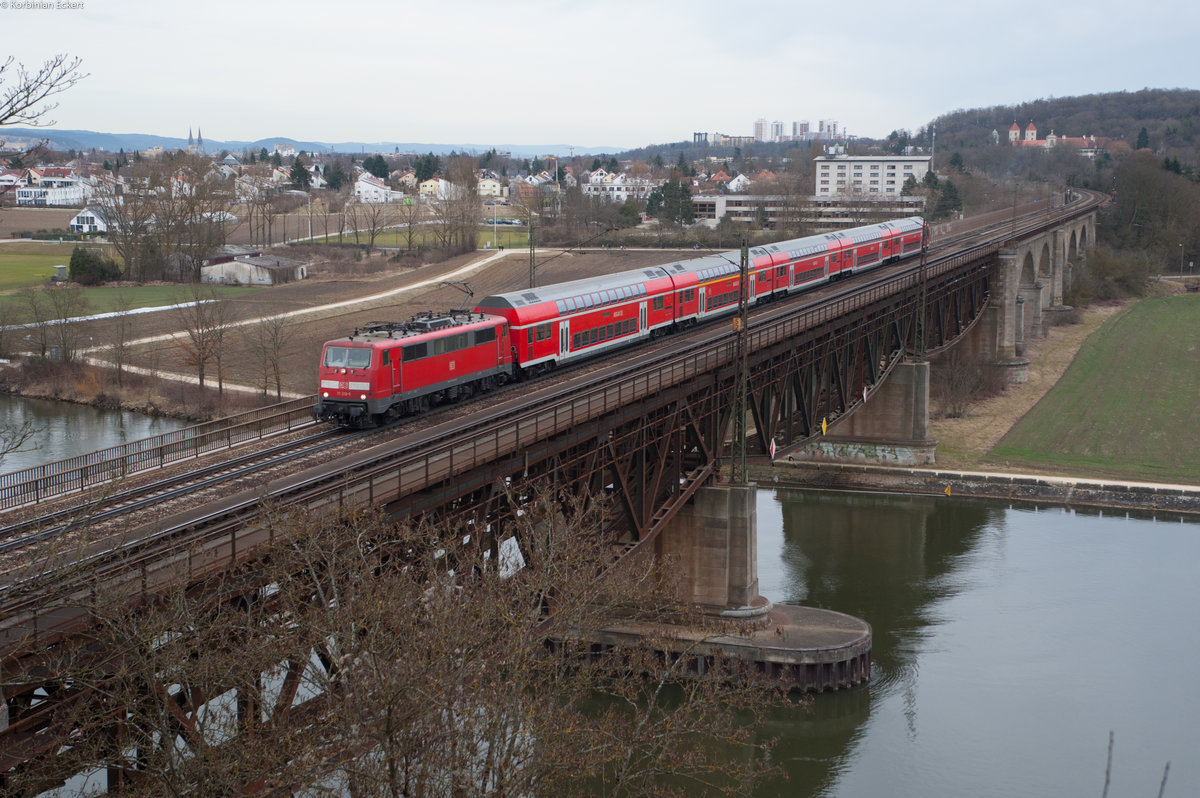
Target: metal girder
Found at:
650, 452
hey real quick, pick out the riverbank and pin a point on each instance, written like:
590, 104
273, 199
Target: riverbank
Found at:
966, 461
1032, 489
148, 394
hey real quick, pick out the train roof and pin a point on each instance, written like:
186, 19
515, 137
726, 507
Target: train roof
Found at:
376, 332
707, 266
551, 293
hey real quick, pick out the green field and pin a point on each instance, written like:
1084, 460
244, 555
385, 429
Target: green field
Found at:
30, 263
108, 298
1128, 405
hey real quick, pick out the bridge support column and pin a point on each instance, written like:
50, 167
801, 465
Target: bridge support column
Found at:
1004, 315
890, 429
715, 541
1034, 321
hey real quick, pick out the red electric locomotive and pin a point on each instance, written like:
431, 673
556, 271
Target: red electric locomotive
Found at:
385, 370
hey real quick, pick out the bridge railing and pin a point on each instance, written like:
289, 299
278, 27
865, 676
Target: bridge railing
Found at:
48, 481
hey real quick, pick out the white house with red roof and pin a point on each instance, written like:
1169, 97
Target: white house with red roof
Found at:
369, 188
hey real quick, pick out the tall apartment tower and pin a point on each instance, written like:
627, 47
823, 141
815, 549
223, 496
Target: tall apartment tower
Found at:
777, 130
760, 130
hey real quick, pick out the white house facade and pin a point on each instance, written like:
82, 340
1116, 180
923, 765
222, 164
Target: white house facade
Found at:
619, 188
867, 174
369, 188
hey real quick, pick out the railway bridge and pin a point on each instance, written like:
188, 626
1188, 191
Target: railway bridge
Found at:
653, 433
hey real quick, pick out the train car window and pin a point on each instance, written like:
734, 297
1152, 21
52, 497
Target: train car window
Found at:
562, 306
689, 295
347, 357
387, 357
529, 337
415, 352
658, 303
543, 332
485, 336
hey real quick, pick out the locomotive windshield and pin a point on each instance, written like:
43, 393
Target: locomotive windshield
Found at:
345, 357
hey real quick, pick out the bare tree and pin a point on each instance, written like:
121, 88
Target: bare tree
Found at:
205, 320
40, 315
375, 217
410, 660
128, 209
25, 95
27, 100
409, 214
66, 305
269, 339
120, 330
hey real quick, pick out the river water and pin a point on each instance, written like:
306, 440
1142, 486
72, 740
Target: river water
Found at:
1007, 643
1008, 640
65, 430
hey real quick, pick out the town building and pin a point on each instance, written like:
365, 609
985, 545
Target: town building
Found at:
867, 174
369, 188
618, 187
1088, 146
812, 213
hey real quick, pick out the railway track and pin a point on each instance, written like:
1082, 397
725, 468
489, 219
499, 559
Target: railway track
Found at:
257, 468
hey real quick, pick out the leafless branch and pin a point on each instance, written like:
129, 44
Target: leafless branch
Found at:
25, 102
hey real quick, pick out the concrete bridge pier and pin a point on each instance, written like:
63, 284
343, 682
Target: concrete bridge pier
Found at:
1004, 321
1034, 321
714, 542
892, 428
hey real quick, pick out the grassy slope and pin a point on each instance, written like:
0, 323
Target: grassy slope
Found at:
1127, 406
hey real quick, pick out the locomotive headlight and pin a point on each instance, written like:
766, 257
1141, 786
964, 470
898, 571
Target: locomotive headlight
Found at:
325, 394
364, 396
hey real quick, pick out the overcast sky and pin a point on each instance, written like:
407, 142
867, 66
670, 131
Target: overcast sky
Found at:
618, 73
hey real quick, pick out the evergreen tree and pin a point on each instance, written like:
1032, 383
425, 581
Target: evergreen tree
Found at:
299, 175
629, 213
426, 166
89, 268
335, 176
672, 202
948, 201
377, 166
1143, 140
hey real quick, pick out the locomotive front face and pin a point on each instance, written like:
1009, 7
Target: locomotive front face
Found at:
346, 377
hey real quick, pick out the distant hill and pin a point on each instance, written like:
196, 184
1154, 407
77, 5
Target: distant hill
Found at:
130, 142
1171, 118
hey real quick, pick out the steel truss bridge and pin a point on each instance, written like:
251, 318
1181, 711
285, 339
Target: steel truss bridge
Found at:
649, 433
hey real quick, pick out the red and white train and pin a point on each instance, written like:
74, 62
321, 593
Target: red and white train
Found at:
387, 370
